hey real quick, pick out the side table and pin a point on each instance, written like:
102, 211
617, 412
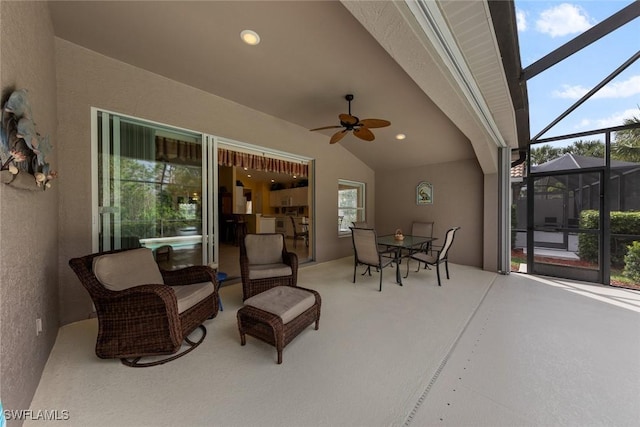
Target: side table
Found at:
221, 276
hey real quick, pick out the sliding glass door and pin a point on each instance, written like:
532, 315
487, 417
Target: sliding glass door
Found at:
150, 190
161, 187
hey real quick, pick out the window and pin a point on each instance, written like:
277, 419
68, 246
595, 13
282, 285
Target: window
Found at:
351, 204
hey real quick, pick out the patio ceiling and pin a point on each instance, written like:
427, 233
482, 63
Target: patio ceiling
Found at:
312, 53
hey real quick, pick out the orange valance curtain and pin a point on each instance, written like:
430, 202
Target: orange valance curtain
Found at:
261, 163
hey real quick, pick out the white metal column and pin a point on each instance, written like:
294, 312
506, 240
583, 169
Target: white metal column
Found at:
504, 210
210, 196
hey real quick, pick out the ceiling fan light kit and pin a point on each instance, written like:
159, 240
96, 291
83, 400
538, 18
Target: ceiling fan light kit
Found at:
360, 128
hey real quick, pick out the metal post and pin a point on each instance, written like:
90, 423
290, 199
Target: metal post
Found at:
605, 215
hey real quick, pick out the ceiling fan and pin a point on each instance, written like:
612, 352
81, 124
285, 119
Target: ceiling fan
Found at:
359, 127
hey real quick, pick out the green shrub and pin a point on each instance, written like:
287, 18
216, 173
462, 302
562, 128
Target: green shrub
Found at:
621, 223
632, 262
588, 243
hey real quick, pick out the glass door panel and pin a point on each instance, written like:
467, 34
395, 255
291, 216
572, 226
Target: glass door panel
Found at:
150, 191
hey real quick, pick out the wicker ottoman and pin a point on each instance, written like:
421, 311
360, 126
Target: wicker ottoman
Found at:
278, 315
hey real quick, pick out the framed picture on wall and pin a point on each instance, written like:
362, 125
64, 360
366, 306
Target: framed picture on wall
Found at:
424, 193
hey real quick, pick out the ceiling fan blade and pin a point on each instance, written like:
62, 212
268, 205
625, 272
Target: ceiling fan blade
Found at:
374, 123
364, 133
348, 119
326, 127
338, 136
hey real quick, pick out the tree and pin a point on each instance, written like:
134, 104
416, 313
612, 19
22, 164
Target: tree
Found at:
543, 154
593, 148
627, 142
626, 147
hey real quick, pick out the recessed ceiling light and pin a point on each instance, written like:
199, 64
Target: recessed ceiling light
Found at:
273, 180
250, 37
401, 136
249, 176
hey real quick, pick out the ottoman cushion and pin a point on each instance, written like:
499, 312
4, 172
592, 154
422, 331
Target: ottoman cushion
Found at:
286, 302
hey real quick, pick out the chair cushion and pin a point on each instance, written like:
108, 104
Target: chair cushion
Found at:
265, 271
127, 269
286, 302
190, 295
264, 248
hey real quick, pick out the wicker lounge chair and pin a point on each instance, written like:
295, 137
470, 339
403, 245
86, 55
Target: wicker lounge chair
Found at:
265, 263
143, 310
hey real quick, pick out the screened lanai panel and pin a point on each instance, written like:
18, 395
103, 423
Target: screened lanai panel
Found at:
567, 225
625, 226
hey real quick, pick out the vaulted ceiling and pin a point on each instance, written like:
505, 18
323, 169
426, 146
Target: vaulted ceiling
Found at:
312, 53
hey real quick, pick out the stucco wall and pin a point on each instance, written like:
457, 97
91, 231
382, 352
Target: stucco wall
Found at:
87, 79
29, 219
457, 201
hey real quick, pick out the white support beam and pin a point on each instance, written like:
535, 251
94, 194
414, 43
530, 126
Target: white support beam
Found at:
430, 19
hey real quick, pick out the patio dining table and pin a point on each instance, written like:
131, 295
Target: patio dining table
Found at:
409, 242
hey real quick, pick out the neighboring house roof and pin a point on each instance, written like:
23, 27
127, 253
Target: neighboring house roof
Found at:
574, 161
567, 162
518, 171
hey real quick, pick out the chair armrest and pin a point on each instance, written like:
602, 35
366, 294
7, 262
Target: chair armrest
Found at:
190, 275
435, 248
291, 259
157, 291
145, 302
386, 250
244, 268
424, 247
152, 297
162, 291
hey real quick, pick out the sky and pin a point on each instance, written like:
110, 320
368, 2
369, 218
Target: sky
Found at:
546, 25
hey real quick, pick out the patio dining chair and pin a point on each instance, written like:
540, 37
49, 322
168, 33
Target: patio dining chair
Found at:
438, 255
421, 229
298, 232
360, 224
367, 252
